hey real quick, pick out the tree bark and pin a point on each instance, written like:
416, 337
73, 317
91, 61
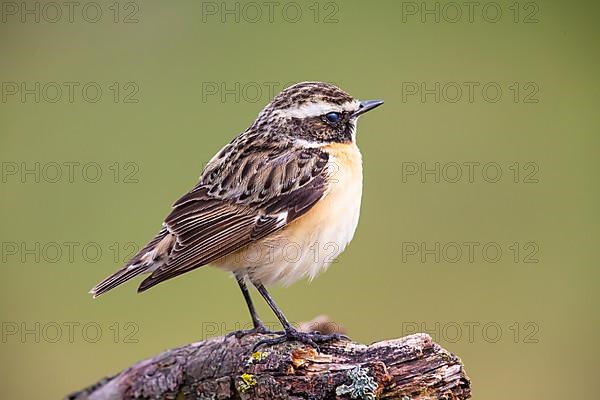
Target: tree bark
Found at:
413, 367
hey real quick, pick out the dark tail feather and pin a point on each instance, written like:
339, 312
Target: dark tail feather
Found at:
148, 283
137, 265
121, 276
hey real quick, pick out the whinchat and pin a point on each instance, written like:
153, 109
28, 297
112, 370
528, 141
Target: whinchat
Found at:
276, 204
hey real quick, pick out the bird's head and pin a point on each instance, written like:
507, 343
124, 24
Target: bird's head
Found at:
314, 112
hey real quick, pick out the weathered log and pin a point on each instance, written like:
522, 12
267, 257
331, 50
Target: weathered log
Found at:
413, 367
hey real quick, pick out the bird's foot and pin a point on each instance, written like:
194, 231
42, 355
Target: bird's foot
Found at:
309, 338
259, 328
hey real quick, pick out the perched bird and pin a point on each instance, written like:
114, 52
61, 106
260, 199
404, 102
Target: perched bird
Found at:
277, 204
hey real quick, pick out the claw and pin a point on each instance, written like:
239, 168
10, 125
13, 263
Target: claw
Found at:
310, 338
332, 336
244, 332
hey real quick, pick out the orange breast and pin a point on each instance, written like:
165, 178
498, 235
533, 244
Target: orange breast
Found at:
345, 189
310, 243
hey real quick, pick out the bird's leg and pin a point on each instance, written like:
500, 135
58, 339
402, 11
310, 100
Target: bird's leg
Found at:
259, 327
289, 332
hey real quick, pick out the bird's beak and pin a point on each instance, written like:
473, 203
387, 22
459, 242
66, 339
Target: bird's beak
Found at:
367, 105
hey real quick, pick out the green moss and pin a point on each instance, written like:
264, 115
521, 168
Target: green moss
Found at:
363, 386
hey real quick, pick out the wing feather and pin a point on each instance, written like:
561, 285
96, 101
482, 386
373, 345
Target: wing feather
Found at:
217, 218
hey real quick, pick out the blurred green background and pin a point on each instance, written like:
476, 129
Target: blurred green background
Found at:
185, 78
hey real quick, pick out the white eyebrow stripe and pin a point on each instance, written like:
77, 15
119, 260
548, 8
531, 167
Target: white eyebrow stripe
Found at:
316, 109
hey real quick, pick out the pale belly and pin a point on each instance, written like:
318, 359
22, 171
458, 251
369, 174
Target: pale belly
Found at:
308, 245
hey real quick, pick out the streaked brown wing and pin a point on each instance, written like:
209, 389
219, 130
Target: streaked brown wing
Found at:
214, 220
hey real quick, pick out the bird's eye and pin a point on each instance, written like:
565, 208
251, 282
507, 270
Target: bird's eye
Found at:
333, 117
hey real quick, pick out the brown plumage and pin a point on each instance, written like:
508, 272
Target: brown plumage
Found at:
294, 176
